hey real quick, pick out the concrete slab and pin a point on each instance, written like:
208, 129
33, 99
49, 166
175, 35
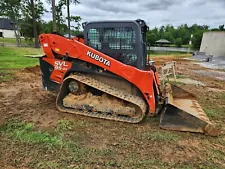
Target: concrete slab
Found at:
209, 61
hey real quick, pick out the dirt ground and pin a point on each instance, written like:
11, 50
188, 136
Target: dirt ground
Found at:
142, 145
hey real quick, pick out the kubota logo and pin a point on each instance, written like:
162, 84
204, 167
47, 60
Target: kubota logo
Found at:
98, 58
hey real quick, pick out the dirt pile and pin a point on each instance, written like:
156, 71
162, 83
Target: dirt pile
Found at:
24, 98
34, 69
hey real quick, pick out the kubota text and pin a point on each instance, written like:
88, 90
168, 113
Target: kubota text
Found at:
98, 58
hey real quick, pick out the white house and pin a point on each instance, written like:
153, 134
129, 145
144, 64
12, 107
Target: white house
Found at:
6, 28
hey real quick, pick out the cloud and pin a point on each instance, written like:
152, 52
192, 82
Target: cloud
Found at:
222, 2
155, 13
160, 4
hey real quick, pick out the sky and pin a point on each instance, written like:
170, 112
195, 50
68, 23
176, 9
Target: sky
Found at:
155, 12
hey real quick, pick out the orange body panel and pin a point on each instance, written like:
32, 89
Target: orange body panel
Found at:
60, 68
144, 80
79, 39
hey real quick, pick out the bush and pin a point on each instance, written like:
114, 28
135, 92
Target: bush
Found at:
178, 42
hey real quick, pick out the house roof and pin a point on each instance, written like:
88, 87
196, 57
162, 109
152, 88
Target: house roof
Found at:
6, 24
163, 41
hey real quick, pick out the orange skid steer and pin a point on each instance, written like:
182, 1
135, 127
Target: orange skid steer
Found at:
103, 73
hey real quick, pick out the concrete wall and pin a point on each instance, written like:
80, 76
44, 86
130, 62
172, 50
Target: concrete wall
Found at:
213, 43
7, 33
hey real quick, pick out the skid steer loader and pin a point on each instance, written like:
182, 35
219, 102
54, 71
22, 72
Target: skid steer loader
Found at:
104, 74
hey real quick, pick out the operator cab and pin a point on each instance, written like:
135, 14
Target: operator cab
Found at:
124, 41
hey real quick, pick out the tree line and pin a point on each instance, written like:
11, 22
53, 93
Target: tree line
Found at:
181, 35
26, 16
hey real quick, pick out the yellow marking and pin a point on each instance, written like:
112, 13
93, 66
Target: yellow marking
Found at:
57, 49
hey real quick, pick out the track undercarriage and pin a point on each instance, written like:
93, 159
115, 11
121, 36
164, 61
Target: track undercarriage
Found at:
84, 95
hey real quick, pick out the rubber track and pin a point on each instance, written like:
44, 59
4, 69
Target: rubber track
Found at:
121, 94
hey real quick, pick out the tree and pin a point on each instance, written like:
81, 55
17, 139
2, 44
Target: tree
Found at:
178, 42
181, 31
60, 20
52, 2
196, 39
77, 20
53, 16
34, 24
161, 32
76, 32
26, 25
46, 27
12, 10
194, 28
68, 16
57, 16
221, 28
68, 2
151, 38
214, 29
205, 27
186, 38
31, 21
168, 36
156, 32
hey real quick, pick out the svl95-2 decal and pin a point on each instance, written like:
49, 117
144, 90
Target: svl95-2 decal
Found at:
60, 65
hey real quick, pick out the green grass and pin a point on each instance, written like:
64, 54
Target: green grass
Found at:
180, 76
25, 132
211, 113
175, 83
183, 46
66, 146
13, 57
6, 75
69, 152
222, 70
186, 46
218, 154
216, 112
167, 54
13, 41
64, 125
48, 164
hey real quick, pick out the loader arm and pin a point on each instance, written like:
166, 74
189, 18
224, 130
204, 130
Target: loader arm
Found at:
51, 43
